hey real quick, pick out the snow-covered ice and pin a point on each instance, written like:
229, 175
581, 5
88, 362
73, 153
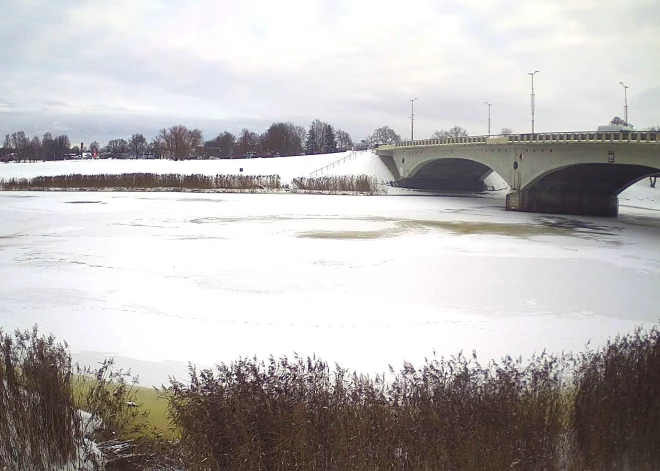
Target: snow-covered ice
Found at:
159, 279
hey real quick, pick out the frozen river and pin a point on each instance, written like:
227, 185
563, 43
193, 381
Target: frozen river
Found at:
363, 281
160, 279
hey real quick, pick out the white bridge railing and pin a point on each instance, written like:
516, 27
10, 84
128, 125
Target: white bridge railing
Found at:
346, 158
626, 137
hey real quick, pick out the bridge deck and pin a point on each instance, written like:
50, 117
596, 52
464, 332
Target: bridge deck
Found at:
620, 137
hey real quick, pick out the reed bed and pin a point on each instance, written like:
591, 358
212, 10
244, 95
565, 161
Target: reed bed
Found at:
338, 184
39, 427
599, 410
616, 416
596, 411
145, 181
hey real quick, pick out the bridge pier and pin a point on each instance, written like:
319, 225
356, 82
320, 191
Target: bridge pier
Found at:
563, 201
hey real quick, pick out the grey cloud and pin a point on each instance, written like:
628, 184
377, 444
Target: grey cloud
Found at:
52, 65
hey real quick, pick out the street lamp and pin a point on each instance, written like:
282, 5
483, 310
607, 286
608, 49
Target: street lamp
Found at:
489, 105
532, 74
625, 108
412, 119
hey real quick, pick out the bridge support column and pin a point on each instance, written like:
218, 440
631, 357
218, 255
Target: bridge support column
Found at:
563, 201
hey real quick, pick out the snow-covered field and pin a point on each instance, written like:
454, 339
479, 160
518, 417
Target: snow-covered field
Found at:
159, 279
287, 167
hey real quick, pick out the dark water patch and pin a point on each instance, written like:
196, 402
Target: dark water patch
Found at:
578, 226
137, 224
350, 235
484, 228
201, 200
85, 202
201, 237
17, 196
641, 221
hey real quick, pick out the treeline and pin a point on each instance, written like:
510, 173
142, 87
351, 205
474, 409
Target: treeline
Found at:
179, 143
18, 146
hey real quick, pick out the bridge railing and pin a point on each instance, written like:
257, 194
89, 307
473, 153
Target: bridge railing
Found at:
321, 170
625, 137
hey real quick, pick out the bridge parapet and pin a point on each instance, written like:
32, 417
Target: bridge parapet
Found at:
587, 137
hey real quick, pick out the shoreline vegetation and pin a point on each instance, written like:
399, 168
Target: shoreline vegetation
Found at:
342, 184
590, 411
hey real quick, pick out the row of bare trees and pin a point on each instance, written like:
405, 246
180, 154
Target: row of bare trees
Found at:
18, 146
179, 142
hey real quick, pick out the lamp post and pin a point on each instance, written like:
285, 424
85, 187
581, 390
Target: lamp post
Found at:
489, 105
412, 119
625, 107
533, 104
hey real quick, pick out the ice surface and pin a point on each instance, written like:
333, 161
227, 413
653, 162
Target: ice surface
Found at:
363, 281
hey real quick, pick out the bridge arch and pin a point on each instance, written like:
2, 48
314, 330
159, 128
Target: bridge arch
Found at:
447, 174
582, 188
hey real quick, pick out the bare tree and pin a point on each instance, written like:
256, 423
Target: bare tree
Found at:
506, 131
281, 138
455, 132
138, 144
180, 142
118, 147
247, 142
94, 148
301, 131
34, 149
383, 136
19, 142
617, 121
344, 141
157, 146
48, 144
222, 145
61, 147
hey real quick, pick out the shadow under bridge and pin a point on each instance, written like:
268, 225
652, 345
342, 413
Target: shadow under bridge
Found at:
447, 174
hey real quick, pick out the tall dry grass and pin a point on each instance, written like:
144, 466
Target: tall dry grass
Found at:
301, 414
39, 426
616, 418
599, 410
144, 181
596, 411
41, 397
338, 184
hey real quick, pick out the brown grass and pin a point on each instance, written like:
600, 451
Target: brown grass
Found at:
599, 410
144, 181
38, 421
338, 184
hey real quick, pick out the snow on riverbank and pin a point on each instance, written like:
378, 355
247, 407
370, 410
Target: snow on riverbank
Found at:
286, 167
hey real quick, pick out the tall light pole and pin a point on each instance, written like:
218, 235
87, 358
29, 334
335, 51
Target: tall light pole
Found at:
625, 107
489, 105
412, 119
533, 104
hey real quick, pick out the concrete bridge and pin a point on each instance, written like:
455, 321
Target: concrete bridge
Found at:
569, 172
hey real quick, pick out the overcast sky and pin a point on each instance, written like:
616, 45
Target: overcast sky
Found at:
98, 70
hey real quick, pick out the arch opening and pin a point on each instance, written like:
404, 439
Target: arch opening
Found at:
585, 189
448, 175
